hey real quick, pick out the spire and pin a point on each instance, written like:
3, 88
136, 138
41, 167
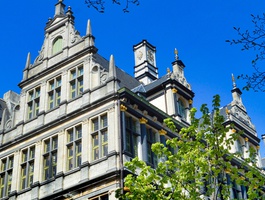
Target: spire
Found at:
112, 68
59, 8
88, 29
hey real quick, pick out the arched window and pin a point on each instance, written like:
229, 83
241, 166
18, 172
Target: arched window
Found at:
57, 45
181, 109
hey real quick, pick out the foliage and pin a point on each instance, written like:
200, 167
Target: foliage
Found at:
200, 165
99, 5
253, 40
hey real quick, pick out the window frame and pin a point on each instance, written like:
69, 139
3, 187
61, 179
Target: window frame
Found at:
33, 102
50, 151
27, 161
5, 177
54, 92
131, 136
99, 136
181, 109
74, 147
151, 139
76, 81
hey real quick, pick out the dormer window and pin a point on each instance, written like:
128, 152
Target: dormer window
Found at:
57, 45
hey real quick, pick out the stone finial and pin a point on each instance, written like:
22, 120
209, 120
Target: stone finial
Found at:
112, 68
59, 8
233, 80
88, 29
28, 61
176, 54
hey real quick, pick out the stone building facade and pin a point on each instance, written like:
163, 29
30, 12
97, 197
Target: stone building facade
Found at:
79, 118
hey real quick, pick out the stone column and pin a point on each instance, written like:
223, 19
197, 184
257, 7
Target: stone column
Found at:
123, 108
143, 122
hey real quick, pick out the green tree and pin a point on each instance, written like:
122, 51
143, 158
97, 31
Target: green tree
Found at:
253, 39
99, 5
201, 164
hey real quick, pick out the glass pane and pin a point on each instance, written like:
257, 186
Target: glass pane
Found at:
104, 121
51, 85
78, 132
32, 153
54, 143
78, 147
128, 141
80, 71
24, 156
3, 167
58, 82
70, 163
94, 124
73, 74
11, 162
37, 92
70, 151
96, 153
105, 150
70, 137
104, 136
46, 146
95, 140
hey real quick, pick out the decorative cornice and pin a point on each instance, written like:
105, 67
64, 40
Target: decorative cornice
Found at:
143, 120
123, 108
162, 132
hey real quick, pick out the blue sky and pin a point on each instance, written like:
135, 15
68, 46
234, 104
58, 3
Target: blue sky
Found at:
198, 29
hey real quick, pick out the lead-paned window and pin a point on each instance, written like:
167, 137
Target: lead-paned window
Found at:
54, 92
33, 102
27, 167
6, 175
74, 147
131, 140
76, 82
50, 157
99, 136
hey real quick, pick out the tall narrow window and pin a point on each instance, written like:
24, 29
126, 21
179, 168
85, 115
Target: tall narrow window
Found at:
152, 159
131, 145
27, 167
100, 136
50, 157
239, 148
33, 102
181, 109
74, 147
6, 176
76, 82
57, 45
54, 93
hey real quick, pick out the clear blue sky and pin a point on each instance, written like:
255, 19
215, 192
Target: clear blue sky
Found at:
198, 29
